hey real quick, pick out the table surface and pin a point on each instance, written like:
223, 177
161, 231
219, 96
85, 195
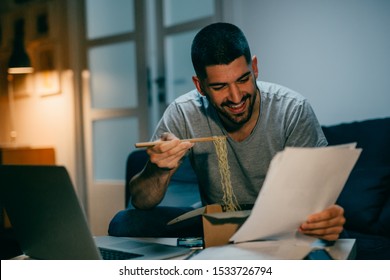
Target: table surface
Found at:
342, 249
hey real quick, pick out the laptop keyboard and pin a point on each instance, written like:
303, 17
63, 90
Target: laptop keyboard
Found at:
108, 254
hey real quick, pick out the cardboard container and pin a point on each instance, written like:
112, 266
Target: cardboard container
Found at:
218, 226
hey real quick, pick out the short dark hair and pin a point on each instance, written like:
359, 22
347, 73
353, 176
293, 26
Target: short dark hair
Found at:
216, 44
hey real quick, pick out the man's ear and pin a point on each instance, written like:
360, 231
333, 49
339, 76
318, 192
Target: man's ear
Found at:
198, 85
255, 67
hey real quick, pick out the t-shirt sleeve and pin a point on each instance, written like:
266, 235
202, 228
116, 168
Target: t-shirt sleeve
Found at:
303, 129
172, 121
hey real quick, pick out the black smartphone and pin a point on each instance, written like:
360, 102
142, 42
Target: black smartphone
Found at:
190, 242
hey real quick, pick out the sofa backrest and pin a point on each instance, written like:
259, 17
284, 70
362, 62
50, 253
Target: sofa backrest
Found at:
371, 135
366, 194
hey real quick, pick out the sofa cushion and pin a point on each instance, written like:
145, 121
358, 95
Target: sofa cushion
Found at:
369, 246
365, 199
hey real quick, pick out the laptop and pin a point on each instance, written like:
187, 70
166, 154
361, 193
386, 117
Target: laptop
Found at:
50, 224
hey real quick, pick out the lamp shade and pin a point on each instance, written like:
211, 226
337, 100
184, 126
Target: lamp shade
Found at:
19, 62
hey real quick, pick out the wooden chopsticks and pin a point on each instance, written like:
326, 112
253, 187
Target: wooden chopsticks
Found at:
192, 140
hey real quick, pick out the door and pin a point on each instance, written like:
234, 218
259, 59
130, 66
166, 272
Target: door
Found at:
115, 101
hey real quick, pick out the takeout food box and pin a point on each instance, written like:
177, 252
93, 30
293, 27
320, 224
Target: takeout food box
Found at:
218, 226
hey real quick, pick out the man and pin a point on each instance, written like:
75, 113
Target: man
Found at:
258, 118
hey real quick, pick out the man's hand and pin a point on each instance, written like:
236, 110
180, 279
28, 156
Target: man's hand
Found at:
327, 224
168, 154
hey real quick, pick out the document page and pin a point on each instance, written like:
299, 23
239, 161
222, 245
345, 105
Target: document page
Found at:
264, 250
299, 182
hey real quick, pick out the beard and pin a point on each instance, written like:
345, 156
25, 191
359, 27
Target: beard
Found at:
232, 119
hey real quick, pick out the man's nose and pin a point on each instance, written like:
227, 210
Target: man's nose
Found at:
234, 93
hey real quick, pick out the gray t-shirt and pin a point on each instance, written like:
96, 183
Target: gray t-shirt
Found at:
286, 119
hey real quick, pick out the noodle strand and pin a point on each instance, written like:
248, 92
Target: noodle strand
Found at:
229, 199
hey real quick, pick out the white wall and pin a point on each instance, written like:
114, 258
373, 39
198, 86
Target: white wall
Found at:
45, 121
336, 53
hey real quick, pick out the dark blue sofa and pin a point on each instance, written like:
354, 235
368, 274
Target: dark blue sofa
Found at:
365, 197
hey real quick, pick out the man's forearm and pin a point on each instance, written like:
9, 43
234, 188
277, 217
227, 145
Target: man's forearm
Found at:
148, 188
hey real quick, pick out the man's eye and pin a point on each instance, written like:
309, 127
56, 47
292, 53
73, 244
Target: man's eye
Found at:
244, 80
216, 88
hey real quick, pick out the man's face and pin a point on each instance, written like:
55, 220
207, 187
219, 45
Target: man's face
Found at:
232, 90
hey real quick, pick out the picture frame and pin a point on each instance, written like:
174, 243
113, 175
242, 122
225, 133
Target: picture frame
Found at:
47, 70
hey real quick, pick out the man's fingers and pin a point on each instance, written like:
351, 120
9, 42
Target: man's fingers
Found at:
170, 162
324, 233
328, 214
337, 221
165, 136
327, 224
169, 153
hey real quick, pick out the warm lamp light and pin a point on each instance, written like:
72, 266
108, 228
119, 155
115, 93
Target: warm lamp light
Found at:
20, 70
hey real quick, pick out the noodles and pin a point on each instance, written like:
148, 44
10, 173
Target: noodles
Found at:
229, 199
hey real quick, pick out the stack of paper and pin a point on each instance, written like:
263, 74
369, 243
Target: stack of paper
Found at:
299, 182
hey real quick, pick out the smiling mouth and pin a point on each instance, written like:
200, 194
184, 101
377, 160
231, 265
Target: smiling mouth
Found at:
237, 108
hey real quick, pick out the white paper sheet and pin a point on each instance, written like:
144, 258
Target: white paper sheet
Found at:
264, 250
299, 182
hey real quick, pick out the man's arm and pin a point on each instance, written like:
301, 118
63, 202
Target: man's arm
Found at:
148, 188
